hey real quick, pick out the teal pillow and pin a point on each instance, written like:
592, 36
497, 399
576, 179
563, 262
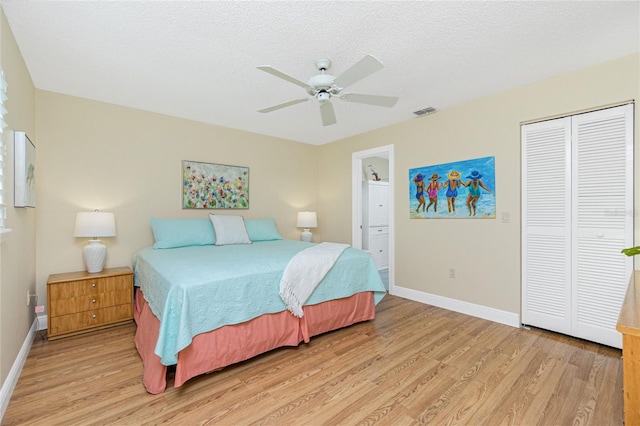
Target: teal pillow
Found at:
172, 233
262, 229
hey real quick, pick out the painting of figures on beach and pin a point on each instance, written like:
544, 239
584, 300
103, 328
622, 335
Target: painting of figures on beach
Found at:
460, 190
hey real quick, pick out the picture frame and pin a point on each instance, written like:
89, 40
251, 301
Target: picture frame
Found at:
24, 171
459, 190
214, 186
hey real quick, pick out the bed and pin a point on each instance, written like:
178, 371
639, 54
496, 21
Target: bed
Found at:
203, 307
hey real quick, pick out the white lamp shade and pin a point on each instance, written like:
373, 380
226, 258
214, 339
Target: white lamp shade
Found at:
95, 224
307, 220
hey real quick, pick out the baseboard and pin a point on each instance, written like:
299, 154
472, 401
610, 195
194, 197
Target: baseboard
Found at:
14, 374
479, 311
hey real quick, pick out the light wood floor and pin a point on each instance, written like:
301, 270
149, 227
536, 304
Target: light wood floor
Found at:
414, 364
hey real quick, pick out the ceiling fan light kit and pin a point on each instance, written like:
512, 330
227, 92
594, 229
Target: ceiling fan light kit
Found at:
325, 86
323, 97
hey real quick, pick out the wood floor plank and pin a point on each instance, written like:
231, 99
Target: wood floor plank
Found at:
532, 366
414, 364
490, 381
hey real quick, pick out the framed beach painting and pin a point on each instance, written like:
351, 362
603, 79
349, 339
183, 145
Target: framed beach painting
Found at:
460, 190
24, 171
214, 186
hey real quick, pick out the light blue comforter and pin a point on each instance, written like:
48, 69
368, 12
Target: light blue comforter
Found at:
193, 290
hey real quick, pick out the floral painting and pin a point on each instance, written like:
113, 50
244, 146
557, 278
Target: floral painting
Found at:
214, 186
460, 190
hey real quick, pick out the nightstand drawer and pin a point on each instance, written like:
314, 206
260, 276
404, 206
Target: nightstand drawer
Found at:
88, 302
90, 319
71, 289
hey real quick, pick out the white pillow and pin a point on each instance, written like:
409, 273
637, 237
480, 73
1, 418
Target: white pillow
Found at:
229, 229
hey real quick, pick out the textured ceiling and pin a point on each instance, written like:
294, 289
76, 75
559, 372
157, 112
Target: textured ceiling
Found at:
197, 59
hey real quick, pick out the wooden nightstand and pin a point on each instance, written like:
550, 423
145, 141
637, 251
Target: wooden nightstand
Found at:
79, 302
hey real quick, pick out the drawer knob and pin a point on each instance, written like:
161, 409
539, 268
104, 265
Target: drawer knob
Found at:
93, 284
93, 300
93, 316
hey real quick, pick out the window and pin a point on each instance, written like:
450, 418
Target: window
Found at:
3, 153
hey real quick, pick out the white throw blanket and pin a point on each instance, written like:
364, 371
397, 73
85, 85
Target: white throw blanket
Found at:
305, 271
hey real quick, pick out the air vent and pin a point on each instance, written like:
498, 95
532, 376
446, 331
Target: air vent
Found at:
423, 111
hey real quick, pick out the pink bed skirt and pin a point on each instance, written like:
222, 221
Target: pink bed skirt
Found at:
234, 343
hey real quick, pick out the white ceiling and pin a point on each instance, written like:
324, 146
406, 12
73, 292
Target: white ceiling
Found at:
197, 59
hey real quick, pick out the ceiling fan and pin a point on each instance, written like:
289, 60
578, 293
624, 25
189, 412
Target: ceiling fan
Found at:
324, 86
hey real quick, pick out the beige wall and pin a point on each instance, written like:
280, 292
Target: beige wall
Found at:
381, 165
17, 249
485, 253
94, 155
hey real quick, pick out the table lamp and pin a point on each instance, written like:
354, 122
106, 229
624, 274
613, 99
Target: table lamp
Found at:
95, 224
307, 220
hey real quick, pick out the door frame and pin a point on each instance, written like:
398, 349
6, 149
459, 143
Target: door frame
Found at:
356, 199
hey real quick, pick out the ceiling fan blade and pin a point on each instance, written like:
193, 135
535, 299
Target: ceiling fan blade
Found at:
280, 74
328, 114
364, 68
383, 101
284, 105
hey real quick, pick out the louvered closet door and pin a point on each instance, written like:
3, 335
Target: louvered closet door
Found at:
602, 150
577, 212
546, 230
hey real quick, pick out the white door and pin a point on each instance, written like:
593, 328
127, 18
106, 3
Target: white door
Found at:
378, 203
379, 245
546, 225
577, 204
602, 196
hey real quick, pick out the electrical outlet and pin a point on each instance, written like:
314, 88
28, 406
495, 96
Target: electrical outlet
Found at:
452, 273
28, 297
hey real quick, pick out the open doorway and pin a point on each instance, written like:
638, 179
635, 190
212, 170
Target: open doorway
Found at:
372, 207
